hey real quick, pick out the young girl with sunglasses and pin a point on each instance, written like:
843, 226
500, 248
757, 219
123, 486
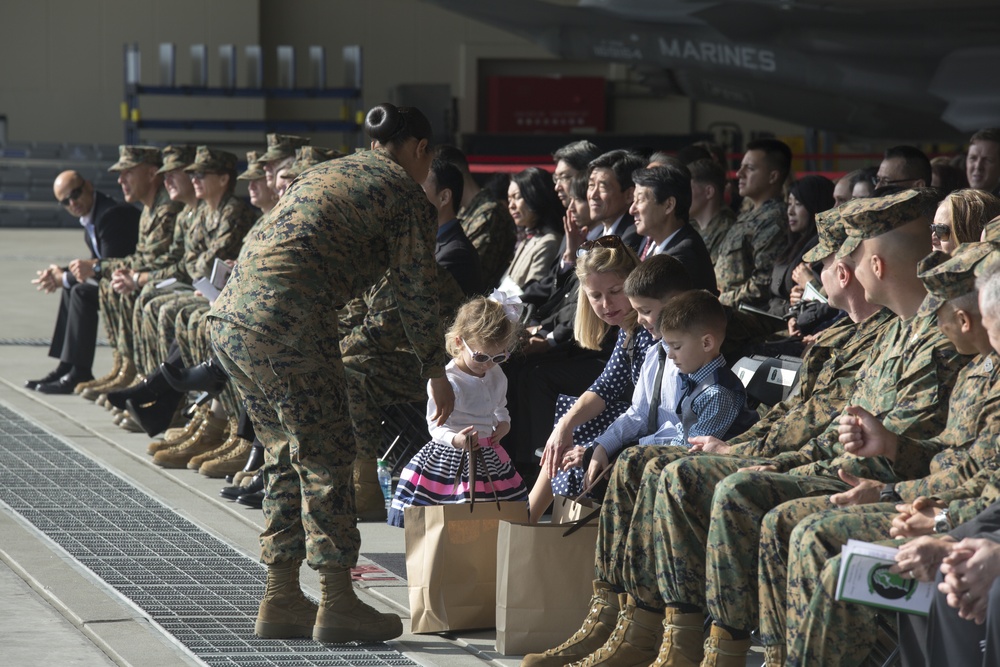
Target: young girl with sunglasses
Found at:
480, 339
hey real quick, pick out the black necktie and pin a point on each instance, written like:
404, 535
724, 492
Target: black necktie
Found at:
653, 420
685, 385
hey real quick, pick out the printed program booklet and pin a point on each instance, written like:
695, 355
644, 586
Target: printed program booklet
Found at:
865, 579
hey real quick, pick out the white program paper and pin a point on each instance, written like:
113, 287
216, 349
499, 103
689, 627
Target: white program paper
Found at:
865, 579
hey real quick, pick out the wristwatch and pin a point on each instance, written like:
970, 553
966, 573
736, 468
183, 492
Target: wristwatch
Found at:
97, 268
942, 524
889, 495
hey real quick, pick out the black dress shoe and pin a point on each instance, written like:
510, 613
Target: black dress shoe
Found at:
147, 391
51, 377
254, 500
207, 376
64, 385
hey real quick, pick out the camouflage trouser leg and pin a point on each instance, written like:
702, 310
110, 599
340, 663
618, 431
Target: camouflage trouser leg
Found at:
374, 382
773, 556
299, 409
193, 342
738, 508
139, 355
170, 314
821, 630
108, 302
621, 510
148, 320
680, 523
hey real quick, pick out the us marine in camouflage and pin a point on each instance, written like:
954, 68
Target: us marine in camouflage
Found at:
333, 234
141, 182
823, 631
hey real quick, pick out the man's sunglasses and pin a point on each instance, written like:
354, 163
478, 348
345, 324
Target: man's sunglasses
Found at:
74, 194
482, 357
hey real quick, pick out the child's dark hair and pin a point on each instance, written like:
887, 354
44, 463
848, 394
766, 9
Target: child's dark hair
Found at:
695, 311
484, 322
657, 277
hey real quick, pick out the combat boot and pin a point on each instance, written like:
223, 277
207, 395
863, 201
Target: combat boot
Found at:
721, 650
209, 436
176, 436
369, 503
284, 613
634, 642
126, 375
683, 640
342, 617
104, 379
775, 656
596, 629
223, 448
229, 463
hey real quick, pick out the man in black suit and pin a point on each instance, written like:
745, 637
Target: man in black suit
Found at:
660, 205
454, 251
609, 193
110, 230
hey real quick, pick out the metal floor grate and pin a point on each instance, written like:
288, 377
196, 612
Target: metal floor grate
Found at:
197, 588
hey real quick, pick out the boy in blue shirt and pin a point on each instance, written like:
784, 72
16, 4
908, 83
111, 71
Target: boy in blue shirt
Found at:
709, 398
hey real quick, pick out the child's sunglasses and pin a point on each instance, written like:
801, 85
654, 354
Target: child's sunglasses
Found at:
482, 358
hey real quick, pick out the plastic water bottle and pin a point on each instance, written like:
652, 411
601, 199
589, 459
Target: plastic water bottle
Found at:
385, 481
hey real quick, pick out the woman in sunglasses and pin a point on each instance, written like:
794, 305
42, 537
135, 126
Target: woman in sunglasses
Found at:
960, 218
481, 338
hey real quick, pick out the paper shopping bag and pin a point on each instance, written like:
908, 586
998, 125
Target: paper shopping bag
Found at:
544, 584
567, 510
451, 563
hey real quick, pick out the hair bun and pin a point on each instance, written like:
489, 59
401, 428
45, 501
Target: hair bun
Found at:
383, 122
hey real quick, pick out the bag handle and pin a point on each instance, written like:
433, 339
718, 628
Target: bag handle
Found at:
577, 525
473, 458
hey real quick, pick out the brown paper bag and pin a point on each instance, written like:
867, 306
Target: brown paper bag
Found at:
451, 563
544, 585
568, 510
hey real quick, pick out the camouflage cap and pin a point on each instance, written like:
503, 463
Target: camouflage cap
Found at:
210, 159
133, 156
310, 156
255, 170
868, 217
280, 146
830, 227
991, 232
949, 277
177, 157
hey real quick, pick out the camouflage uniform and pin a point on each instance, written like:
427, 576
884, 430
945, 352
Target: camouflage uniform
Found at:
489, 226
713, 537
153, 250
380, 366
747, 254
966, 451
330, 237
218, 234
716, 230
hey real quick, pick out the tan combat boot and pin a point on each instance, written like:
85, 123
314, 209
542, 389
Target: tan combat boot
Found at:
115, 369
775, 656
175, 436
596, 629
229, 463
224, 446
284, 613
343, 617
369, 503
721, 650
634, 642
211, 434
123, 378
683, 640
